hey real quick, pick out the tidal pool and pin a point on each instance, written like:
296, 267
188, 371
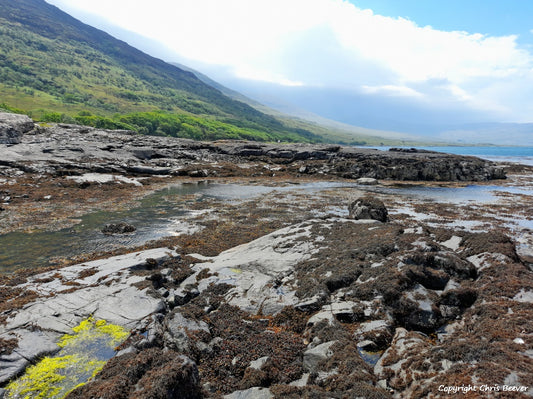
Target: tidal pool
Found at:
165, 213
82, 355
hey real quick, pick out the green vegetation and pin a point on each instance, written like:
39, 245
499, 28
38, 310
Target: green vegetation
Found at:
60, 70
83, 354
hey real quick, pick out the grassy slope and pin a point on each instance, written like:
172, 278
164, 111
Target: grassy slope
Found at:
329, 130
49, 61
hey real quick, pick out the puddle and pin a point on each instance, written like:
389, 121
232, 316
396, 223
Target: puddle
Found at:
165, 213
369, 357
82, 355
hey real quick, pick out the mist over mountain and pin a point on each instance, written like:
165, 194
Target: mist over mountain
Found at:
408, 117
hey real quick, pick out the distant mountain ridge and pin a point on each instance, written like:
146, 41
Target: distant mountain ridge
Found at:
51, 61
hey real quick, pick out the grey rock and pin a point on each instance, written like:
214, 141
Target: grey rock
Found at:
311, 304
367, 181
177, 327
252, 393
182, 295
312, 357
257, 364
31, 346
368, 208
108, 151
524, 248
9, 135
13, 126
347, 312
198, 173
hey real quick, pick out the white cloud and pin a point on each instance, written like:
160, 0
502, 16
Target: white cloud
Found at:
391, 90
332, 43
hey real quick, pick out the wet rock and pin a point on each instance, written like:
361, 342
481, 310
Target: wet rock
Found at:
462, 298
376, 333
368, 208
9, 135
404, 343
118, 228
69, 295
31, 345
422, 320
120, 152
312, 304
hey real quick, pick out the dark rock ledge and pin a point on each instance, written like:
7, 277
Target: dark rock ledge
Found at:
72, 150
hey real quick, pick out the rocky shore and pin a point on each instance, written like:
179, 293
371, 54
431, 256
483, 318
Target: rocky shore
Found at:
73, 150
339, 293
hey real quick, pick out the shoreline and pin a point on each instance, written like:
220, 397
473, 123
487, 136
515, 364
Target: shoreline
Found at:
283, 293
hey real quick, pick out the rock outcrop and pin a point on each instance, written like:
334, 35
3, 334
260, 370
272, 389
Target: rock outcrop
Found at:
331, 307
73, 150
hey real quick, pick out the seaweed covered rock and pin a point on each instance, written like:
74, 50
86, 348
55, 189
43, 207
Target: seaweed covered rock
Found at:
118, 228
368, 208
153, 373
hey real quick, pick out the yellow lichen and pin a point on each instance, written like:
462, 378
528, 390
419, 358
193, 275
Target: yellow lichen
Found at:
83, 354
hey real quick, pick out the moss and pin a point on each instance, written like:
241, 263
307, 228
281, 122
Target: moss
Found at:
83, 354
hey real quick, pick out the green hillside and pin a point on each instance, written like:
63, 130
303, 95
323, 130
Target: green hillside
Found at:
56, 68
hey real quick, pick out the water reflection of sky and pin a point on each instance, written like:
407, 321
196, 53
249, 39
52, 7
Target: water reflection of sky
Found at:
161, 214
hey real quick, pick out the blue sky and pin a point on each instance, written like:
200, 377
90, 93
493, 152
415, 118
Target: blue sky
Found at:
492, 17
467, 61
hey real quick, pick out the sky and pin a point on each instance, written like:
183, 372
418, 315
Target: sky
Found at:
470, 57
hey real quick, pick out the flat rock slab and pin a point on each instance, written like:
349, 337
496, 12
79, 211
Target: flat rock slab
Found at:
102, 288
252, 267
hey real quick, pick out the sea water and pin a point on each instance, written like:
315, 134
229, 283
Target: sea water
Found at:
516, 154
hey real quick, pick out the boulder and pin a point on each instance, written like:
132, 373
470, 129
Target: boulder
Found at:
22, 123
13, 126
368, 208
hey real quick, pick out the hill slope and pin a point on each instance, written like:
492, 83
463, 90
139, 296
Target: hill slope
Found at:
50, 61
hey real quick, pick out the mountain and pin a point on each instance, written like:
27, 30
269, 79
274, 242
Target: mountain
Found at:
55, 67
391, 117
329, 129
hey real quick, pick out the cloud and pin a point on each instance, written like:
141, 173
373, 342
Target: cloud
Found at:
332, 43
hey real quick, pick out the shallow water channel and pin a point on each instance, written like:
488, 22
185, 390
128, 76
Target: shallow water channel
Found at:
164, 212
